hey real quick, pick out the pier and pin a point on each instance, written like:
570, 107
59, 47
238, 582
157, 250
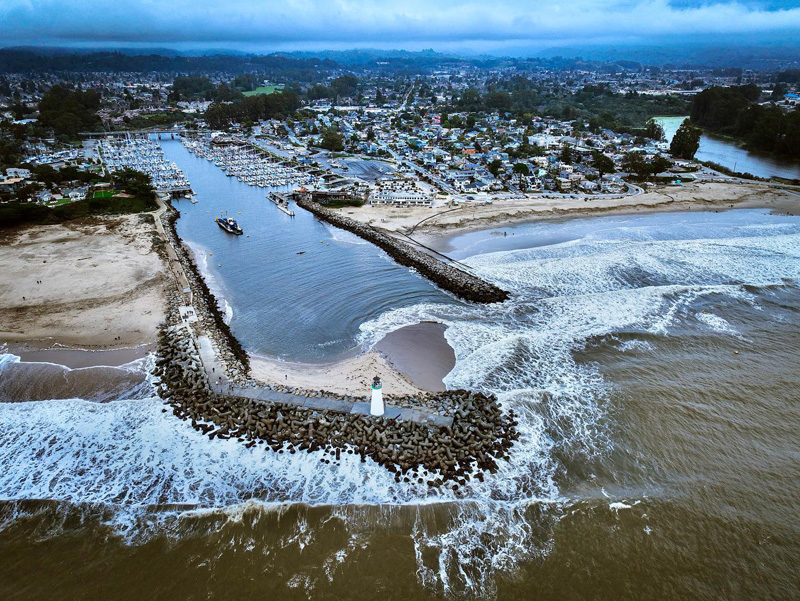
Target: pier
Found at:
281, 201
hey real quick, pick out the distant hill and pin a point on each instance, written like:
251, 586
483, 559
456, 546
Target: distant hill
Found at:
759, 57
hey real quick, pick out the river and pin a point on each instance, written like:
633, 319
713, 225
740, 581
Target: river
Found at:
723, 152
652, 360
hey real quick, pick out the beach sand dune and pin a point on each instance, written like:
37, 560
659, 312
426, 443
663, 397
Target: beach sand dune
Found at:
96, 283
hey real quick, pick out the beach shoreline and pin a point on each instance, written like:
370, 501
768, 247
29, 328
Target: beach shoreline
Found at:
410, 360
126, 298
93, 284
445, 223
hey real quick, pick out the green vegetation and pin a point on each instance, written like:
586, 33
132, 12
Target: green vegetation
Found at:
20, 213
341, 203
51, 177
140, 197
332, 140
68, 112
252, 108
603, 163
344, 85
187, 88
264, 90
686, 141
640, 168
163, 119
598, 104
136, 183
734, 111
731, 172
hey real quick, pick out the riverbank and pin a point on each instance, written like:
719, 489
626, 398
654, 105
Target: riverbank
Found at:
469, 217
96, 283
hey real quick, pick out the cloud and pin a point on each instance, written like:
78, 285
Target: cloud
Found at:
359, 22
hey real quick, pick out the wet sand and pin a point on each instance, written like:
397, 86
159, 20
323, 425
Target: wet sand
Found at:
80, 358
409, 360
421, 352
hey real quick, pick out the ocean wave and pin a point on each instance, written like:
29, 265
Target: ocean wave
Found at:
130, 455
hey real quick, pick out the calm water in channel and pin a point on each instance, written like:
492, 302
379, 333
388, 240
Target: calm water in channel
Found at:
723, 152
304, 307
655, 461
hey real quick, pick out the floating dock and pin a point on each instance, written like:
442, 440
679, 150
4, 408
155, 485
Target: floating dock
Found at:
281, 201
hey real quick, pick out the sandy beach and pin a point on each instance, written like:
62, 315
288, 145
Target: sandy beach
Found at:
408, 361
472, 216
103, 285
92, 284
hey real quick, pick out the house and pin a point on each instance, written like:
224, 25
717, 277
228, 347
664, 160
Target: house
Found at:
11, 184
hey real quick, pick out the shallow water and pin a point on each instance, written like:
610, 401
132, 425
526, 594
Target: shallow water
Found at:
655, 461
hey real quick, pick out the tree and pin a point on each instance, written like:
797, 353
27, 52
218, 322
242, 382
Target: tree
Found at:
654, 131
603, 163
495, 166
68, 112
686, 141
380, 99
500, 101
521, 169
659, 164
566, 154
332, 140
635, 163
345, 85
135, 182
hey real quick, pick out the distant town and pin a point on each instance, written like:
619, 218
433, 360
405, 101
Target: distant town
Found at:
434, 134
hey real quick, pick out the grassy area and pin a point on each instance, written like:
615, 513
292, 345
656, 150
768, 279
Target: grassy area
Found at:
264, 90
104, 193
26, 213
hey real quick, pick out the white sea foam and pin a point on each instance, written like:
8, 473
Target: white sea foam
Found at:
128, 454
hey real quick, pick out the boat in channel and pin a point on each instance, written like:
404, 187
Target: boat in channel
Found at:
229, 225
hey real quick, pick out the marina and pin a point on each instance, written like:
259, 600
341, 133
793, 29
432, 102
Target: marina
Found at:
237, 158
144, 154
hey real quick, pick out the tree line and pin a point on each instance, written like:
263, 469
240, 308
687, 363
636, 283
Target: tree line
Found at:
221, 115
735, 111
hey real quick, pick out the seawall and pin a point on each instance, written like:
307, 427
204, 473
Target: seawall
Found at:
464, 285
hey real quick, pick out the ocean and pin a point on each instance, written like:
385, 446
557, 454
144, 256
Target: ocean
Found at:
653, 361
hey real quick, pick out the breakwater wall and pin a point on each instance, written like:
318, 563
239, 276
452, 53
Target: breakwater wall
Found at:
231, 350
480, 435
464, 285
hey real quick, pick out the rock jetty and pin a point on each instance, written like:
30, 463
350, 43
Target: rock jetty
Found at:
448, 277
480, 436
230, 350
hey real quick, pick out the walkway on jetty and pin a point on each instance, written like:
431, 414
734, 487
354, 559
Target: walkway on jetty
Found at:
220, 385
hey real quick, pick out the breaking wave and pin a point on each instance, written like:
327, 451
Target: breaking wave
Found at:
131, 455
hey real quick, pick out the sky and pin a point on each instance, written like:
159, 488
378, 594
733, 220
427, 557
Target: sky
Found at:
472, 26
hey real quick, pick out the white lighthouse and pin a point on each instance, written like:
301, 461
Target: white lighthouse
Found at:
376, 404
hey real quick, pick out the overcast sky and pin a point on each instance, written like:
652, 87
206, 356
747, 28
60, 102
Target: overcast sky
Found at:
450, 25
